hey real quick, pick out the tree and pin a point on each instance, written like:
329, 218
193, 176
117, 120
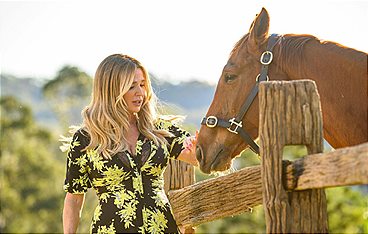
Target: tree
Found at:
14, 114
68, 93
31, 173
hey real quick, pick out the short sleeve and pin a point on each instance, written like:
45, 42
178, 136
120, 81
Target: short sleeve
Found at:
77, 180
175, 143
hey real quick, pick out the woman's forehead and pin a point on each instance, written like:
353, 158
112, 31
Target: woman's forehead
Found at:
139, 76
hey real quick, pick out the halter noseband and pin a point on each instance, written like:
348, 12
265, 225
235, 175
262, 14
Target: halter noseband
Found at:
235, 125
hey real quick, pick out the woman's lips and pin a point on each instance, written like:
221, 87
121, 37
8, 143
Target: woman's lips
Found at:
137, 103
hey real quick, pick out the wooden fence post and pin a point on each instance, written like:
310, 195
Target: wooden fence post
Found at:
290, 114
179, 175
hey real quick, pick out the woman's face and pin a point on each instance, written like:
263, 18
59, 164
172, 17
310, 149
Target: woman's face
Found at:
135, 96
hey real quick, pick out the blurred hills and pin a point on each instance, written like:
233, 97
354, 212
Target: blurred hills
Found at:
29, 92
191, 98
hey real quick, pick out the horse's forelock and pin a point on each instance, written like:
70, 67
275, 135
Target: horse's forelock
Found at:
239, 44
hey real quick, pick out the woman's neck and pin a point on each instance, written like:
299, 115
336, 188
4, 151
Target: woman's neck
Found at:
133, 120
132, 134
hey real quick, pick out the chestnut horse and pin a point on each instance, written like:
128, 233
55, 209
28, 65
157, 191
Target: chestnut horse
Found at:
339, 72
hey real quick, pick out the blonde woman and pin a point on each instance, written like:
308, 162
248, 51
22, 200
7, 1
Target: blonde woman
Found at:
121, 151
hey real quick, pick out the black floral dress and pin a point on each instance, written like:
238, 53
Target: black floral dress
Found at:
130, 188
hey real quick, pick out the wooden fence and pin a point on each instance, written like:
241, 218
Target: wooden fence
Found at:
292, 193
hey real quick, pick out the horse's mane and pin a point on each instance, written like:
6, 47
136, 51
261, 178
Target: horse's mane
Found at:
290, 51
292, 47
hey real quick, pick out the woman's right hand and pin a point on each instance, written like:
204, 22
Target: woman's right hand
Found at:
188, 154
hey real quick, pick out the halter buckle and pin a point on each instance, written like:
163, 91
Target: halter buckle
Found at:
259, 75
211, 121
237, 125
266, 57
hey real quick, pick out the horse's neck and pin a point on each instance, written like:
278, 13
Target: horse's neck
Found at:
341, 78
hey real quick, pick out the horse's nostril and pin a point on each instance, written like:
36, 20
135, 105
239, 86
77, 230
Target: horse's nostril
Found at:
199, 153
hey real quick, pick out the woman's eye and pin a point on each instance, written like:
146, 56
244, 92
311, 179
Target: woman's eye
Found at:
229, 78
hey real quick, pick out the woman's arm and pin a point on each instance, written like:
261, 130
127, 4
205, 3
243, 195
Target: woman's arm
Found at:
73, 205
188, 154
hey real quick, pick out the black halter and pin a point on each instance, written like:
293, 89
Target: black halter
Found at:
234, 125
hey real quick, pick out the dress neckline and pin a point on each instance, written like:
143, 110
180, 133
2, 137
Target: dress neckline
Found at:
141, 137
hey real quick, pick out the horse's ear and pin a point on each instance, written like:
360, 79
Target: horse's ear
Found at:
258, 31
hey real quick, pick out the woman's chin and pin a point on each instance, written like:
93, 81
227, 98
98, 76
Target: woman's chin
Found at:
134, 111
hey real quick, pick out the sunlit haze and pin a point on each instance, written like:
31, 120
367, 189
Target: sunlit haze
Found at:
175, 40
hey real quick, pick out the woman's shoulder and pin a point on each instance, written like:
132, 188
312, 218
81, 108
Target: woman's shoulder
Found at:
171, 124
82, 135
78, 136
167, 122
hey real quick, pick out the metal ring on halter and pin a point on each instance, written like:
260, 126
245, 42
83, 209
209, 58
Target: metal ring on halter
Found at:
260, 75
237, 125
263, 57
211, 121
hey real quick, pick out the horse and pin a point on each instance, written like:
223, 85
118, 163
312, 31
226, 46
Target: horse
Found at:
340, 74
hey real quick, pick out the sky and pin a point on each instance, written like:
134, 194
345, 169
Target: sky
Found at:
175, 40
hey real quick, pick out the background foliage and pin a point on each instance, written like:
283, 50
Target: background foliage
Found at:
32, 168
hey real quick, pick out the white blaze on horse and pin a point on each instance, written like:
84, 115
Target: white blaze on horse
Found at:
339, 72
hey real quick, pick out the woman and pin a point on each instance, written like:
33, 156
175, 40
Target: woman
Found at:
122, 150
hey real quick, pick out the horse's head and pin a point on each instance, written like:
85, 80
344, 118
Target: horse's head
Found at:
219, 139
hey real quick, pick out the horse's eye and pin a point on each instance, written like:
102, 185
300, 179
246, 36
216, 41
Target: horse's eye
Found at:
229, 78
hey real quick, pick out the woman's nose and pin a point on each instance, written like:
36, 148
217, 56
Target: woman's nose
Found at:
141, 91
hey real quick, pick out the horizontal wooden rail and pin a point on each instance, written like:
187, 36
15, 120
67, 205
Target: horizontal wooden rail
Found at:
240, 191
345, 166
217, 198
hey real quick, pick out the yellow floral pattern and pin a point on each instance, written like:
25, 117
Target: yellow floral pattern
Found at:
130, 189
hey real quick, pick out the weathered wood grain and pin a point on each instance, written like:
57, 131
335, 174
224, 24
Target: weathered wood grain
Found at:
216, 198
290, 113
346, 166
206, 201
179, 175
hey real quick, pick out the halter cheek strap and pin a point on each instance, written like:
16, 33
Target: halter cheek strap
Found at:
235, 125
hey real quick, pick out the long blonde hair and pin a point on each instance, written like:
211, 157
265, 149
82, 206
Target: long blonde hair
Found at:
106, 118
